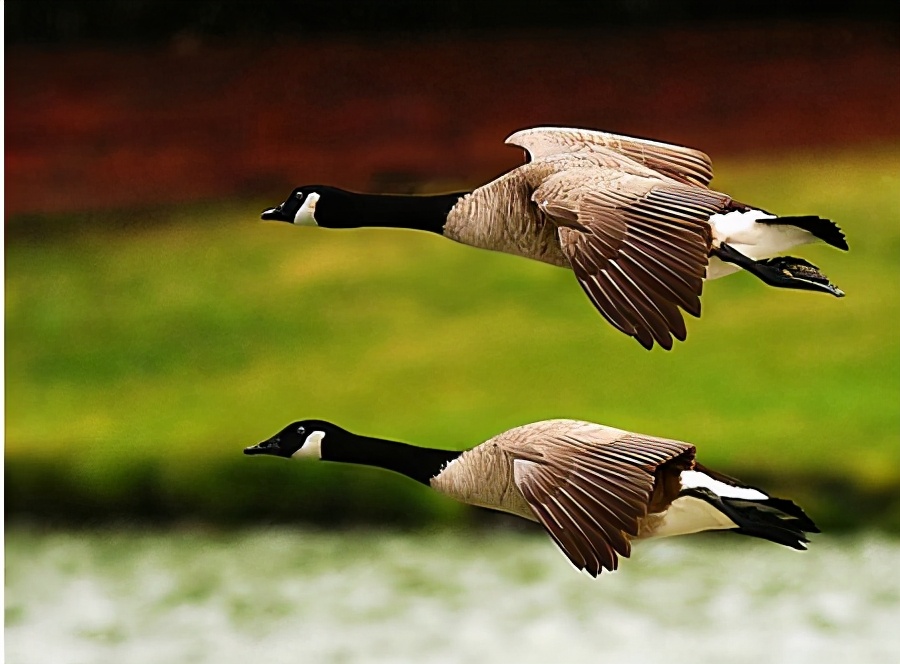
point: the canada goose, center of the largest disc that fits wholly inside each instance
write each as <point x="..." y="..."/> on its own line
<point x="632" y="218"/>
<point x="593" y="488"/>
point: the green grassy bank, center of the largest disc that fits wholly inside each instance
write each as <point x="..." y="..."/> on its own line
<point x="145" y="349"/>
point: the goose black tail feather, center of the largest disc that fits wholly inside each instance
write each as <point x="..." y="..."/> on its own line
<point x="824" y="229"/>
<point x="775" y="519"/>
<point x="786" y="506"/>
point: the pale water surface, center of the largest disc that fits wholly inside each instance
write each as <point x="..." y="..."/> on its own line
<point x="302" y="597"/>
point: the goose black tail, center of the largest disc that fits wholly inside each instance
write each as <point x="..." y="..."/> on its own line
<point x="774" y="519"/>
<point x="824" y="229"/>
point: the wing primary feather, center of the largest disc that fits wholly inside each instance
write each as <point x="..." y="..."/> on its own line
<point x="634" y="502"/>
<point x="646" y="319"/>
<point x="662" y="298"/>
<point x="560" y="535"/>
<point x="682" y="279"/>
<point x="617" y="521"/>
<point x="686" y="218"/>
<point x="603" y="304"/>
<point x="601" y="300"/>
<point x="649" y="308"/>
<point x="685" y="239"/>
<point x="689" y="249"/>
<point x="587" y="551"/>
<point x="604" y="545"/>
<point x="677" y="250"/>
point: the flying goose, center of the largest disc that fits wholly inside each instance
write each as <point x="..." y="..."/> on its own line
<point x="593" y="488"/>
<point x="633" y="218"/>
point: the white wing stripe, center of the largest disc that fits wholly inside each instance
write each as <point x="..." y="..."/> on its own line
<point x="694" y="479"/>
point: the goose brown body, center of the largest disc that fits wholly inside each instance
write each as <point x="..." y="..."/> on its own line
<point x="630" y="217"/>
<point x="595" y="489"/>
<point x="591" y="486"/>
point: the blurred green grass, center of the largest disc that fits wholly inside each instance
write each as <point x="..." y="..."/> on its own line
<point x="145" y="349"/>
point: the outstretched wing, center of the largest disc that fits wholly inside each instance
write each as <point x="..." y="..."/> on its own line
<point x="675" y="161"/>
<point x="591" y="497"/>
<point x="639" y="248"/>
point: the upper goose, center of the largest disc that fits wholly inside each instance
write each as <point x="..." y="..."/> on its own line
<point x="593" y="488"/>
<point x="632" y="218"/>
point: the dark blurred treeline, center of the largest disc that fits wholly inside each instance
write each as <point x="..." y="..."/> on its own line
<point x="145" y="21"/>
<point x="233" y="492"/>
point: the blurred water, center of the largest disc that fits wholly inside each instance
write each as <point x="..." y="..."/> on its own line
<point x="306" y="597"/>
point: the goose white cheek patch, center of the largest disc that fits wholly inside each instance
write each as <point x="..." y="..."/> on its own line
<point x="311" y="448"/>
<point x="306" y="215"/>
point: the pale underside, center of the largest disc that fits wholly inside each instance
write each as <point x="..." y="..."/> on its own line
<point x="593" y="488"/>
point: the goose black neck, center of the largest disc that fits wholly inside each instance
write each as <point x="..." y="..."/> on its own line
<point x="337" y="208"/>
<point x="418" y="463"/>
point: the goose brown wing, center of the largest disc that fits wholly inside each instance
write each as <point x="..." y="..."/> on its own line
<point x="640" y="251"/>
<point x="675" y="161"/>
<point x="590" y="498"/>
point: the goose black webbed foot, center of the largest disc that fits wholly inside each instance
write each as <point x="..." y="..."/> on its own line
<point x="781" y="271"/>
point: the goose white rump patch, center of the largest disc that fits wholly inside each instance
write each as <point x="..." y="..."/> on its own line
<point x="738" y="227"/>
<point x="692" y="479"/>
<point x="744" y="232"/>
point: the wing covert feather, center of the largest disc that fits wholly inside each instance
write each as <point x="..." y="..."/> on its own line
<point x="680" y="163"/>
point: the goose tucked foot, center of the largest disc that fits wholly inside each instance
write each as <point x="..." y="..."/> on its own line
<point x="781" y="271"/>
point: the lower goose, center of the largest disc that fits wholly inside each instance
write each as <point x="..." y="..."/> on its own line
<point x="592" y="487"/>
<point x="634" y="220"/>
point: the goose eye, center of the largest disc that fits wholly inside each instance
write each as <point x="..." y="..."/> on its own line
<point x="301" y="430"/>
<point x="299" y="195"/>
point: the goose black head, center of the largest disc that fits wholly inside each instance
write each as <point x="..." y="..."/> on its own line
<point x="299" y="208"/>
<point x="301" y="439"/>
